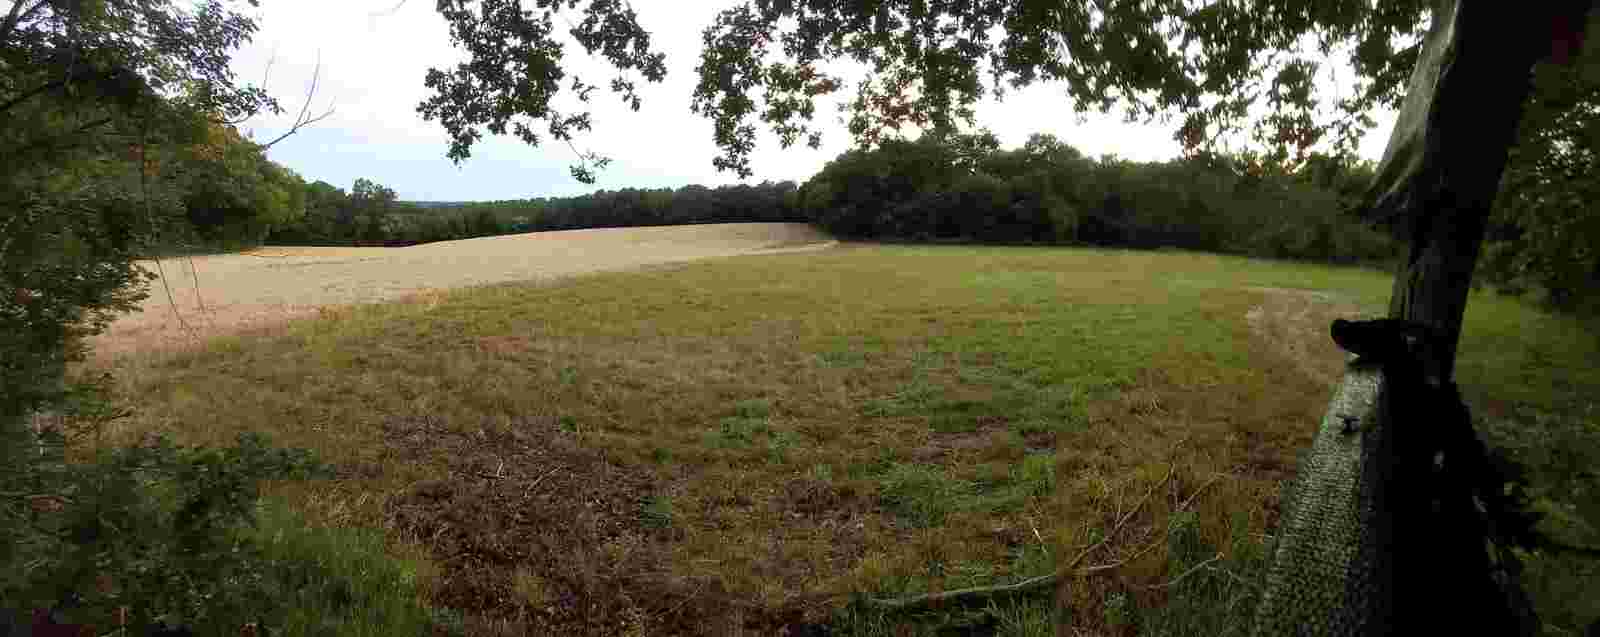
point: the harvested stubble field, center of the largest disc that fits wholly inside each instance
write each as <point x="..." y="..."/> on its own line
<point x="230" y="293"/>
<point x="746" y="445"/>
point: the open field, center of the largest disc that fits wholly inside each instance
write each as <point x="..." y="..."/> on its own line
<point x="741" y="445"/>
<point x="228" y="293"/>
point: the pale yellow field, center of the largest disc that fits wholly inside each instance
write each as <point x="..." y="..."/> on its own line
<point x="221" y="294"/>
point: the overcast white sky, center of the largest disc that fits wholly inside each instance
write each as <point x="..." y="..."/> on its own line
<point x="374" y="56"/>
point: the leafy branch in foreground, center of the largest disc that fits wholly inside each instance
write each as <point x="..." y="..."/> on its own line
<point x="514" y="71"/>
<point x="1220" y="66"/>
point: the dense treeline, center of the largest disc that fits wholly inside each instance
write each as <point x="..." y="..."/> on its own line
<point x="965" y="187"/>
<point x="957" y="188"/>
<point x="369" y="214"/>
<point x="220" y="191"/>
<point x="212" y="188"/>
<point x="767" y="201"/>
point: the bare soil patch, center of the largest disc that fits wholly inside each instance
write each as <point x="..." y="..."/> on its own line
<point x="205" y="296"/>
<point x="531" y="527"/>
<point x="1295" y="323"/>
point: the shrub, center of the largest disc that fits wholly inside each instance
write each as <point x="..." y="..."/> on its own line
<point x="150" y="533"/>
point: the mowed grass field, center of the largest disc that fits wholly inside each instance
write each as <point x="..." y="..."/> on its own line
<point x="756" y="444"/>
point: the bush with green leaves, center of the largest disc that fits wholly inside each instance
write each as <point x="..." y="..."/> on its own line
<point x="159" y="529"/>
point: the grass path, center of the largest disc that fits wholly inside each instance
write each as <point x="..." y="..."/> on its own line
<point x="743" y="444"/>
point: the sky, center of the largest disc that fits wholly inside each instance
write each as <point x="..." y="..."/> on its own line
<point x="374" y="54"/>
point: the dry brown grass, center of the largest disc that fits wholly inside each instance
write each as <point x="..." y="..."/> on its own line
<point x="740" y="445"/>
<point x="207" y="296"/>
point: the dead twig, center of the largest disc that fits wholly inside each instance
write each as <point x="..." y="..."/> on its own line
<point x="304" y="118"/>
<point x="1031" y="525"/>
<point x="1147" y="548"/>
<point x="1232" y="575"/>
<point x="1185" y="574"/>
<point x="535" y="483"/>
<point x="1028" y="585"/>
<point x="1197" y="492"/>
<point x="194" y="274"/>
<point x="144" y="195"/>
<point x="1142" y="500"/>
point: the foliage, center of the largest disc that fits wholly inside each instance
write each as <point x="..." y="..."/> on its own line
<point x="1220" y="65"/>
<point x="514" y="70"/>
<point x="1220" y="68"/>
<point x="232" y="194"/>
<point x="89" y="91"/>
<point x="154" y="528"/>
<point x="1544" y="225"/>
<point x="155" y="536"/>
<point x="66" y="272"/>
<point x="959" y="187"/>
<point x="113" y="127"/>
<point x="370" y="206"/>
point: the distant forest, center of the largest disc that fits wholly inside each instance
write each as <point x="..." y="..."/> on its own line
<point x="938" y="188"/>
<point x="949" y="189"/>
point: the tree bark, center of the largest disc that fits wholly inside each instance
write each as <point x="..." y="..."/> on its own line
<point x="1436" y="185"/>
<point x="1442" y="168"/>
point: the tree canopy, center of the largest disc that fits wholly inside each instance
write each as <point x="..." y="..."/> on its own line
<point x="1211" y="70"/>
<point x="1219" y="66"/>
<point x="95" y="96"/>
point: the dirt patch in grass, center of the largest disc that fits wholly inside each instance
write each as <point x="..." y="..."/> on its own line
<point x="531" y="528"/>
<point x="954" y="446"/>
<point x="1295" y="324"/>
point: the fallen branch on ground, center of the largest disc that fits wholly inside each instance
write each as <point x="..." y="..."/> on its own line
<point x="964" y="595"/>
<point x="1242" y="581"/>
<point x="1187" y="573"/>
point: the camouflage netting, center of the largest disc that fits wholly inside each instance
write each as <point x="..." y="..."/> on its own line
<point x="1330" y="572"/>
<point x="1324" y="577"/>
<point x="1361" y="503"/>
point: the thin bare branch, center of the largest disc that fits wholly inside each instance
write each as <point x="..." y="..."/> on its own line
<point x="194" y="274"/>
<point x="391" y="11"/>
<point x="10" y="21"/>
<point x="150" y="217"/>
<point x="1235" y="577"/>
<point x="1200" y="490"/>
<point x="266" y="77"/>
<point x="304" y="118"/>
<point x="30" y="94"/>
<point x="1187" y="573"/>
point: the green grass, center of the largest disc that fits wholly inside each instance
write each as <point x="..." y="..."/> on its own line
<point x="782" y="433"/>
<point x="657" y="512"/>
<point x="920" y="495"/>
<point x="338" y="581"/>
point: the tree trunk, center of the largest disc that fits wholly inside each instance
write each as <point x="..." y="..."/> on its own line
<point x="1442" y="168"/>
<point x="1437" y="184"/>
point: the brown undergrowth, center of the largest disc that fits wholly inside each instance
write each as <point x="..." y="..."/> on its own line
<point x="530" y="528"/>
<point x="745" y="446"/>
